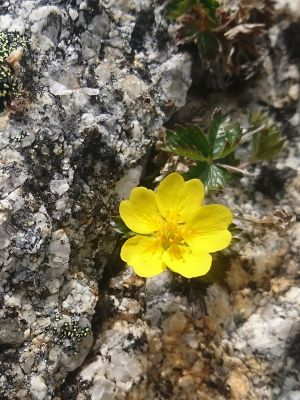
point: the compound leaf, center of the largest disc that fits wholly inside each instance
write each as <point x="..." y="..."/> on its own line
<point x="188" y="141"/>
<point x="213" y="176"/>
<point x="268" y="142"/>
<point x="223" y="135"/>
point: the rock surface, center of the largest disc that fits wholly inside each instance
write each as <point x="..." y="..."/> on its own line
<point x="99" y="78"/>
<point x="97" y="83"/>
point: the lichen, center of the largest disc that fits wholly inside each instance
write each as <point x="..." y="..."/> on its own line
<point x="9" y="42"/>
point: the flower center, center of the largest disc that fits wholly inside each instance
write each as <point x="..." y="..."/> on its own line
<point x="170" y="232"/>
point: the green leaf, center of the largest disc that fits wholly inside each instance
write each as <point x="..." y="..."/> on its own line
<point x="119" y="227"/>
<point x="176" y="8"/>
<point x="223" y="135"/>
<point x="213" y="176"/>
<point x="211" y="6"/>
<point x="188" y="141"/>
<point x="267" y="143"/>
<point x="234" y="230"/>
<point x="207" y="44"/>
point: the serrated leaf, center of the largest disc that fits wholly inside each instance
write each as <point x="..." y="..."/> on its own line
<point x="213" y="176"/>
<point x="119" y="226"/>
<point x="223" y="135"/>
<point x="267" y="143"/>
<point x="188" y="141"/>
<point x="266" y="146"/>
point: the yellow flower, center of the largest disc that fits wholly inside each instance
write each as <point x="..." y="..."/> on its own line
<point x="174" y="229"/>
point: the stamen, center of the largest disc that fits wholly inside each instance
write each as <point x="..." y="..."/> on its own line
<point x="170" y="231"/>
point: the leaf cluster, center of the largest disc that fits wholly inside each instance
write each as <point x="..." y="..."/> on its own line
<point x="213" y="153"/>
<point x="198" y="18"/>
<point x="190" y="141"/>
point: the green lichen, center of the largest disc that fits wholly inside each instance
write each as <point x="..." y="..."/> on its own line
<point x="68" y="335"/>
<point x="7" y="81"/>
<point x="73" y="331"/>
<point x="9" y="41"/>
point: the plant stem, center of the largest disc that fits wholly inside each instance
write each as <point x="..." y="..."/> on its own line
<point x="248" y="135"/>
<point x="230" y="168"/>
<point x="253" y="221"/>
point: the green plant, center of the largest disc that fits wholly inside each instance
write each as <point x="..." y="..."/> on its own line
<point x="177" y="8"/>
<point x="198" y="19"/>
<point x="267" y="141"/>
<point x="213" y="154"/>
<point x="230" y="36"/>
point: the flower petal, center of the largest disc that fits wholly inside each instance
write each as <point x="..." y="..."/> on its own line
<point x="208" y="228"/>
<point x="144" y="254"/>
<point x="186" y="261"/>
<point x="174" y="196"/>
<point x="140" y="212"/>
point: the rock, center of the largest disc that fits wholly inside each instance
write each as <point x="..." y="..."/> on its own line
<point x="239" y="385"/>
<point x="294" y="92"/>
<point x="59" y="251"/>
<point x="231" y="337"/>
<point x="292" y="7"/>
<point x="38" y="388"/>
<point x="11" y="332"/>
<point x="96" y="86"/>
<point x="98" y="80"/>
